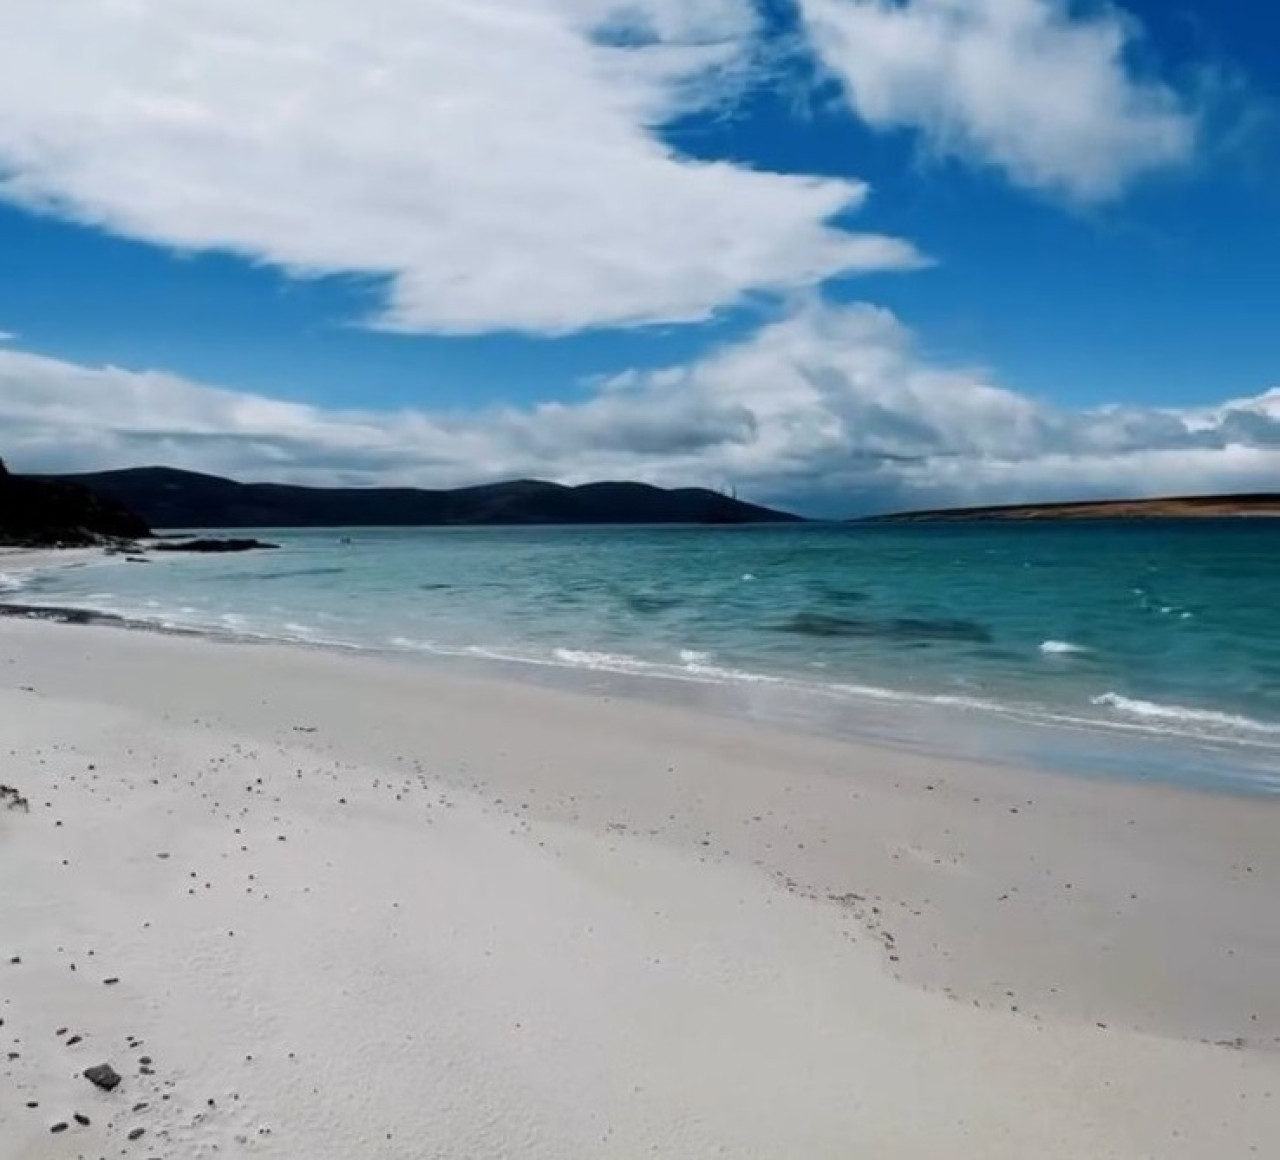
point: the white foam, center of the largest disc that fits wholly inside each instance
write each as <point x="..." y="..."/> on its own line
<point x="694" y="667"/>
<point x="719" y="673"/>
<point x="608" y="662"/>
<point x="1061" y="648"/>
<point x="409" y="643"/>
<point x="1182" y="714"/>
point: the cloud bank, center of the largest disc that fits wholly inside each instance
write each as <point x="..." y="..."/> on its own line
<point x="832" y="409"/>
<point x="1031" y="87"/>
<point x="487" y="164"/>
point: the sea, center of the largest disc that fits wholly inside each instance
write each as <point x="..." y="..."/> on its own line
<point x="1126" y="649"/>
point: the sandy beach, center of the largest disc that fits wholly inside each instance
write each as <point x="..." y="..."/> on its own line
<point x="311" y="905"/>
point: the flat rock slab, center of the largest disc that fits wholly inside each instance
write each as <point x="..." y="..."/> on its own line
<point x="103" y="1076"/>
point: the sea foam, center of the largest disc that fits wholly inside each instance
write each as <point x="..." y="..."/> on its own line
<point x="1182" y="714"/>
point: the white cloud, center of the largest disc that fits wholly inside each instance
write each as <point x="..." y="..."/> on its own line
<point x="7" y="336"/>
<point x="1032" y="87"/>
<point x="832" y="409"/>
<point x="495" y="161"/>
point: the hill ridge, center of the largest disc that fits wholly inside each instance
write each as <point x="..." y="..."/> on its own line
<point x="169" y="497"/>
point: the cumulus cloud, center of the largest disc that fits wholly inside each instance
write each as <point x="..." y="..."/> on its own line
<point x="486" y="164"/>
<point x="1033" y="87"/>
<point x="832" y="409"/>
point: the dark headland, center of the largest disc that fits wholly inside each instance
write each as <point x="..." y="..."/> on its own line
<point x="168" y="498"/>
<point x="1170" y="508"/>
<point x="39" y="513"/>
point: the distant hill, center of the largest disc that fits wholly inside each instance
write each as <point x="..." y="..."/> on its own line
<point x="48" y="513"/>
<point x="168" y="498"/>
<point x="1178" y="507"/>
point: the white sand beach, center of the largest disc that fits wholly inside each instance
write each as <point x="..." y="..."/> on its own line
<point x="325" y="907"/>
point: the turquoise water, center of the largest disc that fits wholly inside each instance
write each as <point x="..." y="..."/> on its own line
<point x="1158" y="642"/>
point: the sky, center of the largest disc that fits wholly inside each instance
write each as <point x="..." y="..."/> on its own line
<point x="838" y="255"/>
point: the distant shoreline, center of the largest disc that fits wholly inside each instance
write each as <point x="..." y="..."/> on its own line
<point x="1254" y="506"/>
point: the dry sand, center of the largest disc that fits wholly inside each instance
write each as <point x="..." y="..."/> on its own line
<point x="351" y="910"/>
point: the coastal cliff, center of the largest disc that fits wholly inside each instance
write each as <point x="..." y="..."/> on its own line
<point x="40" y="513"/>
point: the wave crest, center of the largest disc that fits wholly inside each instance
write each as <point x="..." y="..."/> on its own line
<point x="1182" y="714"/>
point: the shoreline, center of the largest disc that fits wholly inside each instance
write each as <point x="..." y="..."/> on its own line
<point x="456" y="857"/>
<point x="982" y="730"/>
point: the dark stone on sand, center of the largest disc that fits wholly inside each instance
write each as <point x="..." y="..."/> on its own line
<point x="61" y="1126"/>
<point x="81" y="1119"/>
<point x="210" y="546"/>
<point x="103" y="1076"/>
<point x="137" y="1133"/>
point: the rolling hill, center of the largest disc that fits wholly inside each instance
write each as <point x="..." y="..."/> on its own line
<point x="169" y="498"/>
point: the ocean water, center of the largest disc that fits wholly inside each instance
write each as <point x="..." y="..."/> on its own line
<point x="1140" y="649"/>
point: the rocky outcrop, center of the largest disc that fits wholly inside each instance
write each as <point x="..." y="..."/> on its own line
<point x="41" y="513"/>
<point x="209" y="546"/>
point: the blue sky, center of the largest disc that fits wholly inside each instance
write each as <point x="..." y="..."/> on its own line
<point x="841" y="254"/>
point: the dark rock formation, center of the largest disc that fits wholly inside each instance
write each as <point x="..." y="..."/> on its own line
<point x="186" y="499"/>
<point x="45" y="513"/>
<point x="212" y="545"/>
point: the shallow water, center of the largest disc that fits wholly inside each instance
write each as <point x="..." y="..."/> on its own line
<point x="1161" y="637"/>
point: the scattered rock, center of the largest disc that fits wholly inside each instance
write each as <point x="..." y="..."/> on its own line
<point x="11" y="799"/>
<point x="103" y="1076"/>
<point x="137" y="1133"/>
